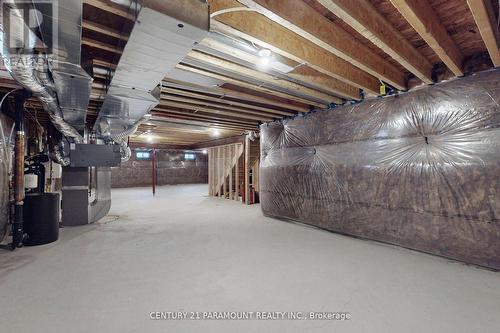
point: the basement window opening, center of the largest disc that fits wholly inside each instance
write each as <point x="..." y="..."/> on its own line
<point x="143" y="155"/>
<point x="189" y="157"/>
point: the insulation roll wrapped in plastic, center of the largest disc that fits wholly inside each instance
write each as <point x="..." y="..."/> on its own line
<point x="419" y="169"/>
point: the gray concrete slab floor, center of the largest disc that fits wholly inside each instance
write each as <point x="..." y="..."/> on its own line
<point x="182" y="251"/>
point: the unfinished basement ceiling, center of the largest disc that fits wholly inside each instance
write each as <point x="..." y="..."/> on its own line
<point x="323" y="52"/>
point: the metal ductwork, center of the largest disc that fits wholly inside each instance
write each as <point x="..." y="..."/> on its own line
<point x="72" y="83"/>
<point x="54" y="77"/>
<point x="100" y="201"/>
<point x="164" y="33"/>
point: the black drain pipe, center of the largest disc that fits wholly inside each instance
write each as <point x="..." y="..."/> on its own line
<point x="19" y="194"/>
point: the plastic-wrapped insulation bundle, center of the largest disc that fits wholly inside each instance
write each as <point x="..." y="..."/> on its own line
<point x="419" y="170"/>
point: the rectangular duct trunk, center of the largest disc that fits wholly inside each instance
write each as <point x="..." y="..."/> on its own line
<point x="72" y="84"/>
<point x="164" y="32"/>
<point x="419" y="170"/>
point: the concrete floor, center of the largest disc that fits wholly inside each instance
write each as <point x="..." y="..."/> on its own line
<point x="182" y="251"/>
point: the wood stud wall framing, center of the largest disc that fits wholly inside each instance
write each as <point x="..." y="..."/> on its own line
<point x="224" y="171"/>
<point x="233" y="170"/>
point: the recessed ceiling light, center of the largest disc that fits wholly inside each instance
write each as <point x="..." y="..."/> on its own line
<point x="265" y="53"/>
<point x="215" y="132"/>
<point x="264" y="62"/>
<point x="265" y="59"/>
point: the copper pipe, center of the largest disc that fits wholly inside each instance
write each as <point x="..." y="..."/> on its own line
<point x="19" y="194"/>
<point x="19" y="168"/>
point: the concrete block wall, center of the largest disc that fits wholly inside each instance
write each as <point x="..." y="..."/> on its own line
<point x="172" y="169"/>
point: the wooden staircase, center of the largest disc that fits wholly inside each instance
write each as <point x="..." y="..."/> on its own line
<point x="224" y="171"/>
<point x="233" y="170"/>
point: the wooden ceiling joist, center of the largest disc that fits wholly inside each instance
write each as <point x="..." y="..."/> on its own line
<point x="164" y="111"/>
<point x="228" y="93"/>
<point x="168" y="115"/>
<point x="101" y="46"/>
<point x="363" y="17"/>
<point x="203" y="123"/>
<point x="106" y="47"/>
<point x="189" y="133"/>
<point x="262" y="31"/>
<point x="262" y="77"/>
<point x="104" y="64"/>
<point x="302" y="73"/>
<point x="200" y="102"/>
<point x="110" y="7"/>
<point x="482" y="12"/>
<point x="230" y="110"/>
<point x="220" y="119"/>
<point x="424" y="20"/>
<point x="320" y="57"/>
<point x="194" y="107"/>
<point x="102" y="29"/>
<point x="179" y="92"/>
<point x="248" y="85"/>
<point x="207" y="122"/>
<point x="300" y="18"/>
<point x="220" y="142"/>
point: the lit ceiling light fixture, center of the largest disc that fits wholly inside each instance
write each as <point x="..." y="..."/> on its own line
<point x="150" y="138"/>
<point x="265" y="59"/>
<point x="264" y="63"/>
<point x="215" y="132"/>
<point x="205" y="151"/>
<point x="265" y="53"/>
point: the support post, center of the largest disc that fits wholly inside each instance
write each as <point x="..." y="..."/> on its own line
<point x="216" y="171"/>
<point x="153" y="168"/>
<point x="210" y="181"/>
<point x="226" y="167"/>
<point x="237" y="172"/>
<point x="219" y="170"/>
<point x="247" y="170"/>
<point x="212" y="172"/>
<point x="231" y="160"/>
